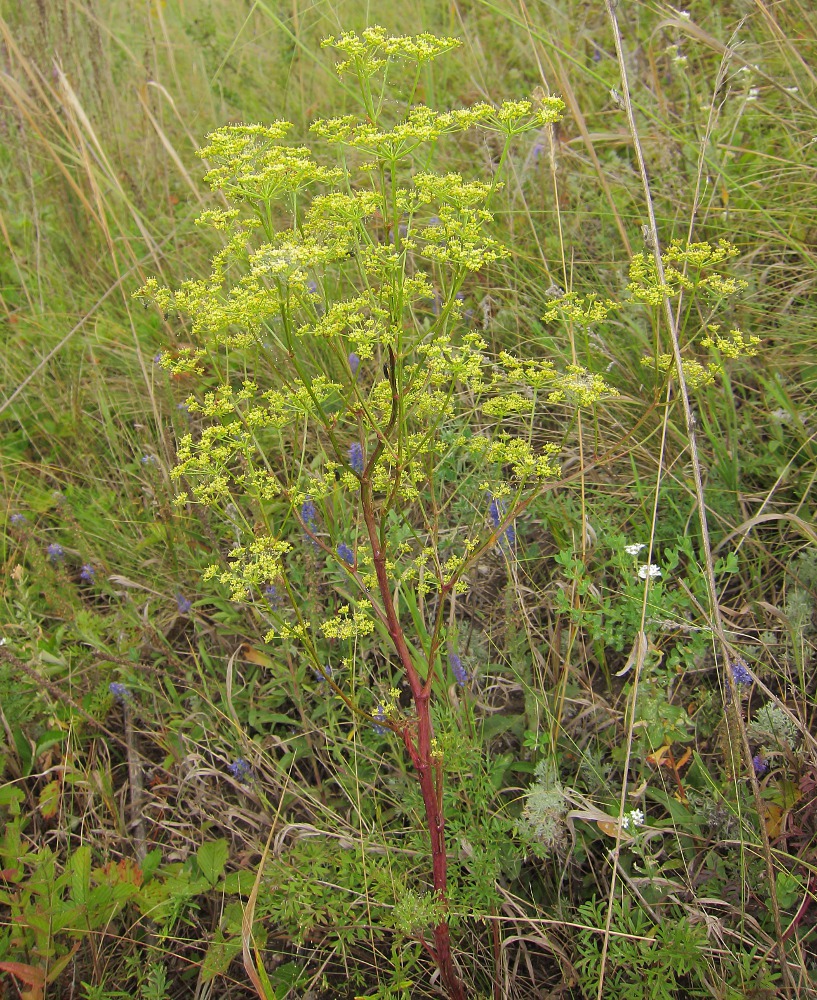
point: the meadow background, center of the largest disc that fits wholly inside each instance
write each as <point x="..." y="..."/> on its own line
<point x="134" y="818"/>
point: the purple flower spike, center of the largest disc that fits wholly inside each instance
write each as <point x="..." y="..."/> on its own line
<point x="324" y="673"/>
<point x="740" y="674"/>
<point x="309" y="514"/>
<point x="356" y="457"/>
<point x="120" y="693"/>
<point x="354" y="363"/>
<point x="458" y="670"/>
<point x="184" y="604"/>
<point x="240" y="769"/>
<point x="496" y="512"/>
<point x="760" y="764"/>
<point x="18" y="519"/>
<point x="346" y="553"/>
<point x="87" y="574"/>
<point x="56" y="553"/>
<point x="380" y="715"/>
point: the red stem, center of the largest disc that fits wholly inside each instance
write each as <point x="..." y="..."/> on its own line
<point x="420" y="750"/>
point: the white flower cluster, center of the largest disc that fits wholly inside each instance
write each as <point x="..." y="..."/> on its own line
<point x="649" y="570"/>
<point x="635" y="817"/>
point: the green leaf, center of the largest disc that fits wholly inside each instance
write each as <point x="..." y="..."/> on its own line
<point x="80" y="866"/>
<point x="49" y="799"/>
<point x="219" y="955"/>
<point x="240" y="882"/>
<point x="211" y="858"/>
<point x="11" y="795"/>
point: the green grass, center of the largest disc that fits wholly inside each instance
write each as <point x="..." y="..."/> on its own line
<point x="128" y="851"/>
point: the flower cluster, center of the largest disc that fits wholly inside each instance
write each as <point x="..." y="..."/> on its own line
<point x="386" y="711"/>
<point x="687" y="267"/>
<point x="496" y="514"/>
<point x="649" y="571"/>
<point x="370" y="51"/>
<point x="457" y="669"/>
<point x="356" y="457"/>
<point x="635" y="817"/>
<point x="184" y="604"/>
<point x="240" y="769"/>
<point x="120" y="692"/>
<point x="346" y="554"/>
<point x="348" y="624"/>
<point x="740" y="673"/>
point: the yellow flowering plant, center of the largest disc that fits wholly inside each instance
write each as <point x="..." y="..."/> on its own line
<point x="333" y="314"/>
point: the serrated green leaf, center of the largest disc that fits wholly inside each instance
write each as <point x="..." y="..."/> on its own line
<point x="80" y="866"/>
<point x="211" y="858"/>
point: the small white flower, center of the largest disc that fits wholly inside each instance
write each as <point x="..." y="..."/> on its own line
<point x="792" y="90"/>
<point x="635" y="817"/>
<point x="634" y="549"/>
<point x="754" y="93"/>
<point x="649" y="570"/>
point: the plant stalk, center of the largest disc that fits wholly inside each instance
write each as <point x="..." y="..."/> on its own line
<point x="419" y="750"/>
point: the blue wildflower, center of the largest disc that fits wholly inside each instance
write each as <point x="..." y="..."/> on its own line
<point x="240" y="769"/>
<point x="119" y="692"/>
<point x="157" y="358"/>
<point x="324" y="673"/>
<point x="458" y="670"/>
<point x="346" y="553"/>
<point x="312" y="287"/>
<point x="149" y="460"/>
<point x="740" y="674"/>
<point x="356" y="457"/>
<point x="18" y="519"/>
<point x="309" y="515"/>
<point x="56" y="553"/>
<point x="760" y="764"/>
<point x="537" y="151"/>
<point x="354" y="363"/>
<point x="272" y="596"/>
<point x="87" y="573"/>
<point x="184" y="604"/>
<point x="380" y="716"/>
<point x="496" y="512"/>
